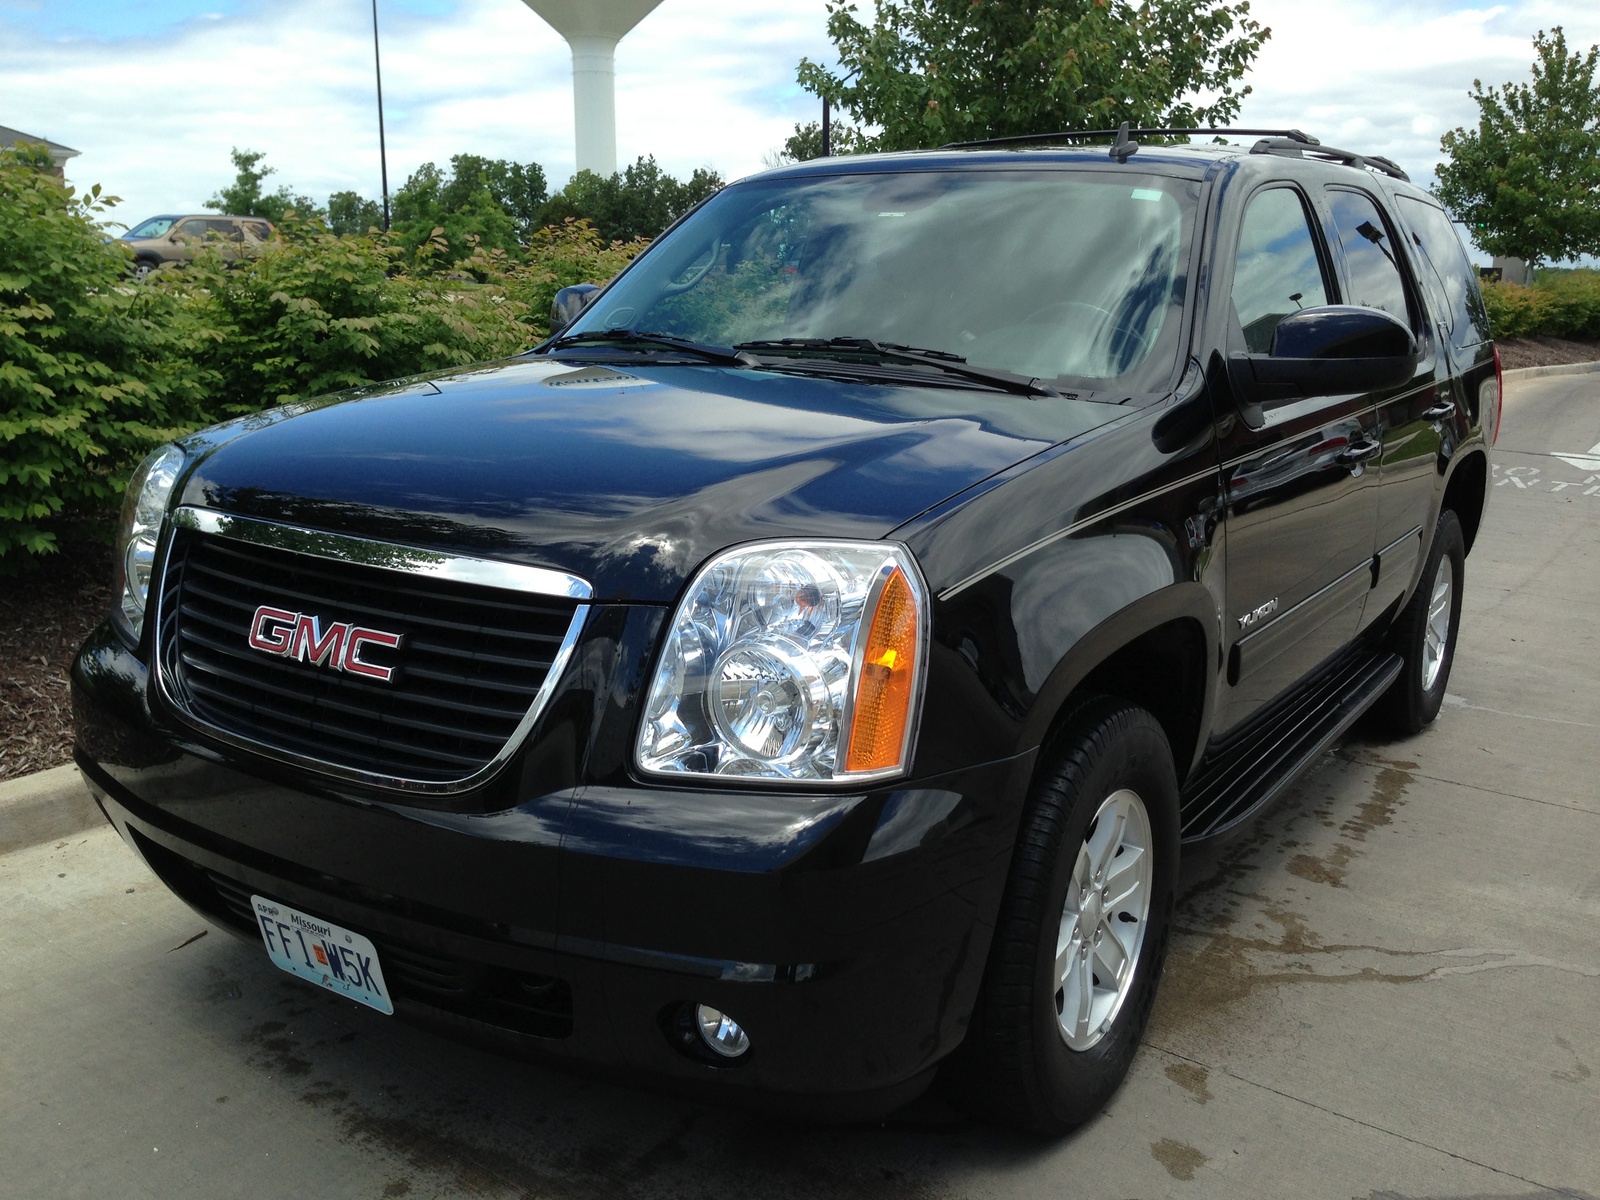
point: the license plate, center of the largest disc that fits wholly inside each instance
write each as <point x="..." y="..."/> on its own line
<point x="327" y="954"/>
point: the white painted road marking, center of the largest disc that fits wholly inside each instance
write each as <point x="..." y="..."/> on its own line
<point x="1584" y="462"/>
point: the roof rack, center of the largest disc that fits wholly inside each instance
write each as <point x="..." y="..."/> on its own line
<point x="1291" y="148"/>
<point x="1293" y="135"/>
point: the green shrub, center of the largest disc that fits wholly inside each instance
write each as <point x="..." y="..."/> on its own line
<point x="93" y="372"/>
<point x="319" y="312"/>
<point x="1560" y="304"/>
<point x="557" y="257"/>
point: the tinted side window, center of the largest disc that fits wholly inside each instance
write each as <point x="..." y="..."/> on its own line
<point x="1277" y="271"/>
<point x="1369" y="254"/>
<point x="1435" y="236"/>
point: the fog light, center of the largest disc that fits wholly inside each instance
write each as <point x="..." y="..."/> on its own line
<point x="720" y="1032"/>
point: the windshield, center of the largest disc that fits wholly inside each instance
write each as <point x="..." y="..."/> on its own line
<point x="1071" y="277"/>
<point x="154" y="227"/>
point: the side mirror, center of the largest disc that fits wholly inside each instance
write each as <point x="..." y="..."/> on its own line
<point x="1329" y="351"/>
<point x="570" y="302"/>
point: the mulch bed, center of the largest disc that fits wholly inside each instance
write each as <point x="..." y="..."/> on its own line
<point x="44" y="617"/>
<point x="1545" y="352"/>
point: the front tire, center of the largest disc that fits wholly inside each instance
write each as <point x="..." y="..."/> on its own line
<point x="1424" y="635"/>
<point x="1082" y="932"/>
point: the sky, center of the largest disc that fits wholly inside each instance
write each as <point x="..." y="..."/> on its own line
<point x="156" y="93"/>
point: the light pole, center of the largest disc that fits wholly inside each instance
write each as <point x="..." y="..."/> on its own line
<point x="383" y="151"/>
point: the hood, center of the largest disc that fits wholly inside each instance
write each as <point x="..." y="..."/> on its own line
<point x="627" y="478"/>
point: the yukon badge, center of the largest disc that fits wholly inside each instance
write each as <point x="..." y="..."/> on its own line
<point x="300" y="636"/>
<point x="1256" y="615"/>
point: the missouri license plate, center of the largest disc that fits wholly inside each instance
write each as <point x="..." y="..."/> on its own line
<point x="329" y="955"/>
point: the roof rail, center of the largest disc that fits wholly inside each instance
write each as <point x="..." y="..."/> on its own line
<point x="1292" y="135"/>
<point x="1290" y="148"/>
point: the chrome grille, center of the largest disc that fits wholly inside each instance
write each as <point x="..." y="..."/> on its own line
<point x="473" y="668"/>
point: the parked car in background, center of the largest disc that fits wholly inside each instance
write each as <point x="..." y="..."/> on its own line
<point x="178" y="238"/>
<point x="802" y="674"/>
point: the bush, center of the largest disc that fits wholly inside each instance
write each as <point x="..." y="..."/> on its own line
<point x="317" y="313"/>
<point x="96" y="370"/>
<point x="1560" y="304"/>
<point x="93" y="372"/>
<point x="557" y="257"/>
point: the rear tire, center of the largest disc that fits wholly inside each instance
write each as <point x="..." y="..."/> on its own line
<point x="1082" y="931"/>
<point x="1424" y="635"/>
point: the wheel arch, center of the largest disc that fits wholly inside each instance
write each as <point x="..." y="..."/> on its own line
<point x="1157" y="653"/>
<point x="1465" y="492"/>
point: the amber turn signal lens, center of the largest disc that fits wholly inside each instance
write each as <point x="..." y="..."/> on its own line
<point x="888" y="674"/>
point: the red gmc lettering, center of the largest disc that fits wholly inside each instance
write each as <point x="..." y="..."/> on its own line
<point x="301" y="636"/>
<point x="270" y="630"/>
<point x="310" y="644"/>
<point x="352" y="653"/>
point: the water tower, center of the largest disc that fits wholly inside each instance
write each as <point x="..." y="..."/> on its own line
<point x="593" y="28"/>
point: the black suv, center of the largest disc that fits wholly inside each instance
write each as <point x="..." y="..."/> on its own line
<point x="801" y="674"/>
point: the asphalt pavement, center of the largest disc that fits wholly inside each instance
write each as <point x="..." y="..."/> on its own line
<point x="1388" y="989"/>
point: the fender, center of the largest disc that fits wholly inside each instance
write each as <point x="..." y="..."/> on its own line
<point x="1183" y="602"/>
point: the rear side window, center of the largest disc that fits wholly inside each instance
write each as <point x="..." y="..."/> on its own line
<point x="1461" y="303"/>
<point x="1277" y="271"/>
<point x="1369" y="254"/>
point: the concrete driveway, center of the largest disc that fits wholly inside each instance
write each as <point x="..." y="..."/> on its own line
<point x="1389" y="987"/>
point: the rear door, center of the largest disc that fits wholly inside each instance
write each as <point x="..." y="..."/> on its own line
<point x="1414" y="418"/>
<point x="1301" y="503"/>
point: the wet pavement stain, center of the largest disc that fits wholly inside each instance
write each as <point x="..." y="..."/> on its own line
<point x="1191" y="1077"/>
<point x="1388" y="794"/>
<point x="1328" y="870"/>
<point x="1579" y="1072"/>
<point x="274" y="1044"/>
<point x="1179" y="1158"/>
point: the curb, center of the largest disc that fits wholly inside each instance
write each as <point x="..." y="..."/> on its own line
<point x="1559" y="369"/>
<point x="45" y="805"/>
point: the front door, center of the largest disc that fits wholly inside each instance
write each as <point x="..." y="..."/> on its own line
<point x="1301" y="488"/>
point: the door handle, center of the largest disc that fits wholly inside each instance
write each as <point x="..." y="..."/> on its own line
<point x="1359" y="452"/>
<point x="1445" y="408"/>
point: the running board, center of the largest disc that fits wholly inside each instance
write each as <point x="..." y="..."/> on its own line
<point x="1231" y="787"/>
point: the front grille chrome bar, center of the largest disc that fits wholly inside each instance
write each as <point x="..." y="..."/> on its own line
<point x="405" y="561"/>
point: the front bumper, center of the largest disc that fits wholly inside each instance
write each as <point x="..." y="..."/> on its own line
<point x="847" y="933"/>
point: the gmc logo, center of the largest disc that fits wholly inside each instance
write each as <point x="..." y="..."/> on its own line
<point x="300" y="636"/>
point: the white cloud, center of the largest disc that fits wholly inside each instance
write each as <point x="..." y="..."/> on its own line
<point x="700" y="83"/>
<point x="1387" y="78"/>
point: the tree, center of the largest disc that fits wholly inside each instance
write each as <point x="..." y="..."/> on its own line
<point x="480" y="203"/>
<point x="246" y="197"/>
<point x="351" y="213"/>
<point x="805" y="143"/>
<point x="1527" y="179"/>
<point x="518" y="188"/>
<point x="927" y="72"/>
<point x="639" y="202"/>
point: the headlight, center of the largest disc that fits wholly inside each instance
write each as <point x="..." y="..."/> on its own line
<point x="791" y="661"/>
<point x="142" y="511"/>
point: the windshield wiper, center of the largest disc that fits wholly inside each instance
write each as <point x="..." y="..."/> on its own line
<point x="637" y="338"/>
<point x="943" y="360"/>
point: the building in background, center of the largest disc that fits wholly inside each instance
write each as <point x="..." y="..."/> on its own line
<point x="58" y="153"/>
